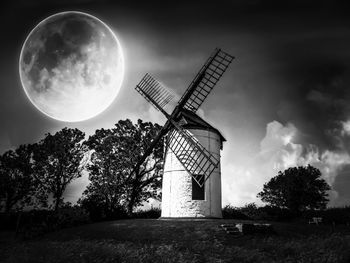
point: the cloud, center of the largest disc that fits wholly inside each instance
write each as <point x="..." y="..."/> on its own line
<point x="345" y="128"/>
<point x="331" y="164"/>
<point x="278" y="151"/>
<point x="277" y="136"/>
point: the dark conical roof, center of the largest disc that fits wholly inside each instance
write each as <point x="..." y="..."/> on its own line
<point x="192" y="121"/>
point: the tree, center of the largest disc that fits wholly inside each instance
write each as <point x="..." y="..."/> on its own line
<point x="113" y="181"/>
<point x="17" y="187"/>
<point x="297" y="188"/>
<point x="58" y="160"/>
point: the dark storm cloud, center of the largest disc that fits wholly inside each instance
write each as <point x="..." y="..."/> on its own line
<point x="318" y="97"/>
<point x="319" y="104"/>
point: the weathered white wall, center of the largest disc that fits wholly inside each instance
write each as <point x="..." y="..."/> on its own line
<point x="177" y="184"/>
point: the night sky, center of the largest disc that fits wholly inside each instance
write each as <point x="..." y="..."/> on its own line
<point x="284" y="101"/>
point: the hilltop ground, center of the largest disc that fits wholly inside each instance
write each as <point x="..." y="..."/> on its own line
<point x="150" y="240"/>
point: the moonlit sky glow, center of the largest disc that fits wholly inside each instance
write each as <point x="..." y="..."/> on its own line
<point x="284" y="100"/>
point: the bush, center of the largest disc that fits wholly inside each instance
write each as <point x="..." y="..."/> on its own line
<point x="69" y="216"/>
<point x="273" y="213"/>
<point x="231" y="212"/>
<point x="94" y="209"/>
<point x="153" y="212"/>
<point x="337" y="215"/>
<point x="252" y="212"/>
<point x="117" y="213"/>
<point x="33" y="223"/>
<point x="37" y="222"/>
<point x="98" y="212"/>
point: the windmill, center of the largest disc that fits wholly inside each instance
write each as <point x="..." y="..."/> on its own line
<point x="191" y="176"/>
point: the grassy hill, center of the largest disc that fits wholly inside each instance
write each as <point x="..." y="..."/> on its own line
<point x="149" y="240"/>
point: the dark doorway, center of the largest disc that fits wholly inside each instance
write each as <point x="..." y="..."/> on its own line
<point x="198" y="192"/>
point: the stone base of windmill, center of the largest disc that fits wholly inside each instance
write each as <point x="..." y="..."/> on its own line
<point x="247" y="228"/>
<point x="178" y="198"/>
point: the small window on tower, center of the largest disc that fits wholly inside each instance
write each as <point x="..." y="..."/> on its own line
<point x="198" y="192"/>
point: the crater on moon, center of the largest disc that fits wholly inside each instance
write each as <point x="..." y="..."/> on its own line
<point x="71" y="66"/>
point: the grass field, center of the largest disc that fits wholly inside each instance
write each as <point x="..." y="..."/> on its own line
<point x="143" y="240"/>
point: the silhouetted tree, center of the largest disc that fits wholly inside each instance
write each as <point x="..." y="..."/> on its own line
<point x="115" y="154"/>
<point x="297" y="188"/>
<point x="58" y="160"/>
<point x="17" y="186"/>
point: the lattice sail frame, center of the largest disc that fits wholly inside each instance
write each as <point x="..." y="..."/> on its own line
<point x="208" y="76"/>
<point x="150" y="86"/>
<point x="196" y="159"/>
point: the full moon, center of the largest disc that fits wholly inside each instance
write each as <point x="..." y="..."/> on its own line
<point x="71" y="66"/>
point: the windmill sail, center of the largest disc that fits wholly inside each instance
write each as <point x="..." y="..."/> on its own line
<point x="205" y="80"/>
<point x="197" y="160"/>
<point x="154" y="92"/>
<point x="158" y="96"/>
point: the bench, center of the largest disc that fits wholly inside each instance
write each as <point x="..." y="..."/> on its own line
<point x="315" y="220"/>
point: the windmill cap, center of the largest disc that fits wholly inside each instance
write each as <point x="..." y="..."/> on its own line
<point x="192" y="121"/>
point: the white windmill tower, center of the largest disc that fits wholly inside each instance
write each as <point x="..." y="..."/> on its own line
<point x="192" y="177"/>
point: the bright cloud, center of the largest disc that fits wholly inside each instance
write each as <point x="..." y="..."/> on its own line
<point x="346" y="128"/>
<point x="278" y="151"/>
